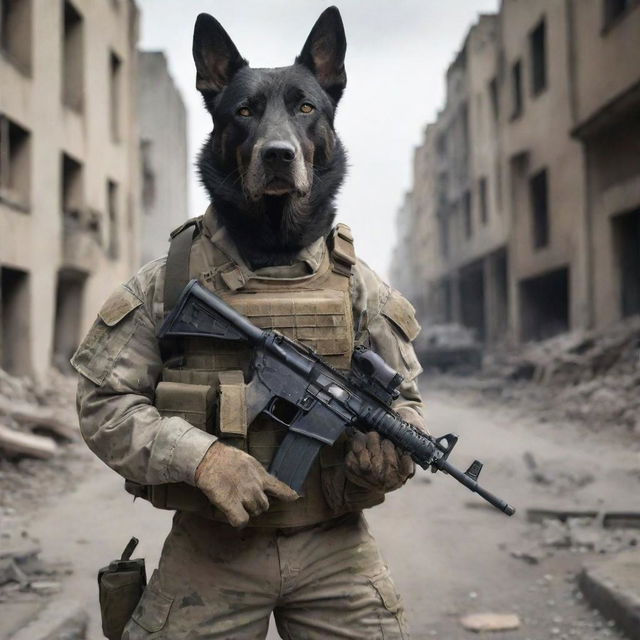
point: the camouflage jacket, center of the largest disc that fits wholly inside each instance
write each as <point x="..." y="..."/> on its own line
<point x="120" y="366"/>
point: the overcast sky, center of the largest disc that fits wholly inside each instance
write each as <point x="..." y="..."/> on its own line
<point x="397" y="54"/>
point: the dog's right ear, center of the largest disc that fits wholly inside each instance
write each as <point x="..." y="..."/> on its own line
<point x="217" y="58"/>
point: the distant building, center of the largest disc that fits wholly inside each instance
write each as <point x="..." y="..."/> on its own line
<point x="69" y="211"/>
<point x="532" y="197"/>
<point x="163" y="154"/>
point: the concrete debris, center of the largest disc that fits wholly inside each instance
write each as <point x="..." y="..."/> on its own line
<point x="14" y="443"/>
<point x="23" y="572"/>
<point x="65" y="620"/>
<point x="555" y="534"/>
<point x="613" y="587"/>
<point x="531" y="553"/>
<point x="590" y="377"/>
<point x="60" y="425"/>
<point x="11" y="572"/>
<point x="622" y="520"/>
<point x="38" y="434"/>
<point x="577" y="535"/>
<point x="45" y="587"/>
<point x="559" y="479"/>
<point x="490" y="622"/>
<point x="540" y="515"/>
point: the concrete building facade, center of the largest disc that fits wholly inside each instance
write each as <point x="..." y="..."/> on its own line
<point x="163" y="154"/>
<point x="69" y="210"/>
<point x="537" y="226"/>
<point x="604" y="54"/>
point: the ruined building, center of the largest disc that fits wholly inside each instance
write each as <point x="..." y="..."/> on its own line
<point x="525" y="204"/>
<point x="69" y="166"/>
<point x="163" y="154"/>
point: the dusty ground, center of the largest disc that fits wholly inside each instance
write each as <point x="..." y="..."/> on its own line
<point x="450" y="555"/>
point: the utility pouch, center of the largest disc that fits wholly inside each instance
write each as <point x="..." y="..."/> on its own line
<point x="192" y="402"/>
<point x="232" y="405"/>
<point x="120" y="587"/>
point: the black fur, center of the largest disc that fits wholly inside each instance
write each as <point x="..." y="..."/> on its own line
<point x="271" y="225"/>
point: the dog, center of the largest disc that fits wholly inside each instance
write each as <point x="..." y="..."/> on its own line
<point x="273" y="164"/>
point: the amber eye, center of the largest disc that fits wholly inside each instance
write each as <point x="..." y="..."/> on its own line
<point x="245" y="112"/>
<point x="306" y="107"/>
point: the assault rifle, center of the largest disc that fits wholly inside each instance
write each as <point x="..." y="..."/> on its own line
<point x="314" y="401"/>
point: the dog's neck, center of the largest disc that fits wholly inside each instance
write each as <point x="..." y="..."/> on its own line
<point x="268" y="232"/>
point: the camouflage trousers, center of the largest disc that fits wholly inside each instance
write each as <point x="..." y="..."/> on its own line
<point x="325" y="581"/>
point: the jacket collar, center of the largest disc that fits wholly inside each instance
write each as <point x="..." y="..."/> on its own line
<point x="306" y="262"/>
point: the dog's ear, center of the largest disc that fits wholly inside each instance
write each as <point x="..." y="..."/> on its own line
<point x="215" y="55"/>
<point x="323" y="52"/>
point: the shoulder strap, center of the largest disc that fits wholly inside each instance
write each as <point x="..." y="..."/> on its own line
<point x="176" y="275"/>
<point x="341" y="249"/>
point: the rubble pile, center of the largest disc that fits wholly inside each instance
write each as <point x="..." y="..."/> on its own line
<point x="24" y="576"/>
<point x="578" y="533"/>
<point x="590" y="377"/>
<point x="38" y="424"/>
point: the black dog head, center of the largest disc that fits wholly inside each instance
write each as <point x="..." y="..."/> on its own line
<point x="273" y="163"/>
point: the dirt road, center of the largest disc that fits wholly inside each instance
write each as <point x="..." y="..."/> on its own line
<point x="450" y="556"/>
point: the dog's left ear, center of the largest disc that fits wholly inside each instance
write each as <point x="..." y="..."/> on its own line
<point x="323" y="52"/>
<point x="217" y="58"/>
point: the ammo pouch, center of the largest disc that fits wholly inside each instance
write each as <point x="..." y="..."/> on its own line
<point x="207" y="407"/>
<point x="120" y="588"/>
<point x="215" y="402"/>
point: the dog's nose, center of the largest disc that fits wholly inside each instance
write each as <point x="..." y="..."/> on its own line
<point x="278" y="153"/>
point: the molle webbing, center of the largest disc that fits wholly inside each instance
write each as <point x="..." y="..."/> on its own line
<point x="314" y="309"/>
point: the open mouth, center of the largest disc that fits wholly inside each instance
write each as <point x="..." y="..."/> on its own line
<point x="278" y="187"/>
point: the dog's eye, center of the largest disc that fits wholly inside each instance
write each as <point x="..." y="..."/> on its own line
<point x="306" y="107"/>
<point x="245" y="112"/>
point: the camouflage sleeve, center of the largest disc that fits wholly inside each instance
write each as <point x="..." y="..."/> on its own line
<point x="120" y="364"/>
<point x="389" y="325"/>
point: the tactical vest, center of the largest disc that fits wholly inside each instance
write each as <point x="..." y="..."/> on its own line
<point x="203" y="379"/>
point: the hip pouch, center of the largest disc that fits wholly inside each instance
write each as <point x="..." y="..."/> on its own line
<point x="120" y="587"/>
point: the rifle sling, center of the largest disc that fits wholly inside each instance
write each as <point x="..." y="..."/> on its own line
<point x="177" y="270"/>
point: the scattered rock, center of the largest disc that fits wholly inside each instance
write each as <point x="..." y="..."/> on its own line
<point x="60" y="424"/>
<point x="555" y="534"/>
<point x="490" y="622"/>
<point x="26" y="444"/>
<point x="45" y="587"/>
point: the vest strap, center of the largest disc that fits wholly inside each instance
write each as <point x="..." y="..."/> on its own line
<point x="342" y="251"/>
<point x="177" y="270"/>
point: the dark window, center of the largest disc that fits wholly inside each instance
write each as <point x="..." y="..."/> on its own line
<point x="69" y="301"/>
<point x="443" y="228"/>
<point x="482" y="195"/>
<point x="464" y="120"/>
<point x="614" y="9"/>
<point x="441" y="145"/>
<point x="15" y="164"/>
<point x="15" y="32"/>
<point x="544" y="305"/>
<point x="113" y="249"/>
<point x="494" y="98"/>
<point x="148" y="176"/>
<point x="626" y="234"/>
<point x="72" y="59"/>
<point x="115" y="79"/>
<point x="467" y="217"/>
<point x="72" y="193"/>
<point x="540" y="209"/>
<point x="538" y="50"/>
<point x="516" y="89"/>
<point x="15" y="321"/>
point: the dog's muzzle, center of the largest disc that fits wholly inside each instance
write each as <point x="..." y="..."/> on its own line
<point x="277" y="168"/>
